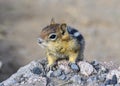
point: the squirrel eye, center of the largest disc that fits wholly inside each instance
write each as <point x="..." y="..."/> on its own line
<point x="52" y="36"/>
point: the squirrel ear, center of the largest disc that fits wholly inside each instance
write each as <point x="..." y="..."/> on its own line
<point x="63" y="28"/>
<point x="52" y="21"/>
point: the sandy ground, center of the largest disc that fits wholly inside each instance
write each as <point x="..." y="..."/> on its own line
<point x="22" y="20"/>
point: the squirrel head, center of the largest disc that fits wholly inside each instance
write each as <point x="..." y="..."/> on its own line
<point x="53" y="34"/>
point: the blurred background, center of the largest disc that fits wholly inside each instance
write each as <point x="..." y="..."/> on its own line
<point x="22" y="20"/>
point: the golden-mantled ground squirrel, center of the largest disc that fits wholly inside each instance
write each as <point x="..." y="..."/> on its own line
<point x="61" y="42"/>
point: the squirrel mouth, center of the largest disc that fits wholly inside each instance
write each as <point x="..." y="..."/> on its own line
<point x="41" y="43"/>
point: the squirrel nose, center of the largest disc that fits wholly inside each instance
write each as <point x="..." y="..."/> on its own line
<point x="40" y="40"/>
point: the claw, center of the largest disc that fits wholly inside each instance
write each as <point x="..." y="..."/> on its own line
<point x="50" y="67"/>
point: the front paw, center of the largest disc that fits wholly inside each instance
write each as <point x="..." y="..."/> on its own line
<point x="74" y="67"/>
<point x="50" y="67"/>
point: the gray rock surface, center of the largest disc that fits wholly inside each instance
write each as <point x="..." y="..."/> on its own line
<point x="90" y="74"/>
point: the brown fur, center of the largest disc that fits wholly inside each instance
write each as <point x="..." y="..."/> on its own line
<point x="64" y="46"/>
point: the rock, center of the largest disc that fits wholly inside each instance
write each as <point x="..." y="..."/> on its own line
<point x="50" y="74"/>
<point x="96" y="65"/>
<point x="38" y="81"/>
<point x="68" y="76"/>
<point x="57" y="73"/>
<point x="37" y="70"/>
<point x="112" y="73"/>
<point x="119" y="81"/>
<point x="63" y="65"/>
<point x="92" y="84"/>
<point x="74" y="67"/>
<point x="117" y="85"/>
<point x="99" y="67"/>
<point x="50" y="84"/>
<point x="85" y="68"/>
<point x="92" y="81"/>
<point x="62" y="77"/>
<point x="114" y="79"/>
<point x="23" y="74"/>
<point x="34" y="74"/>
<point x="109" y="82"/>
<point x="103" y="69"/>
<point x="76" y="79"/>
<point x="101" y="77"/>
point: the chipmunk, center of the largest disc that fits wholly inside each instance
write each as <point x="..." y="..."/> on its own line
<point x="61" y="41"/>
